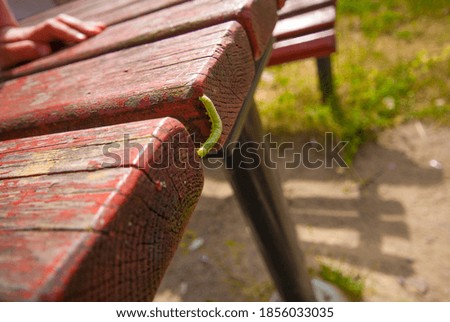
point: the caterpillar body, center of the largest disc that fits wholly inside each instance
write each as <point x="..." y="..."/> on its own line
<point x="216" y="128"/>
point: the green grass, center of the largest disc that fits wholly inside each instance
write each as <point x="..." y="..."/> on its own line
<point x="385" y="16"/>
<point x="392" y="66"/>
<point x="352" y="286"/>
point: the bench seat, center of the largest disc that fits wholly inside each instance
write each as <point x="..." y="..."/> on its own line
<point x="94" y="215"/>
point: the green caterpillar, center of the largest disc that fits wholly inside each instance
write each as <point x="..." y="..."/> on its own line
<point x="216" y="128"/>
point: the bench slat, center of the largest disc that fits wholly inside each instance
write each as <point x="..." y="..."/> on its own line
<point x="258" y="17"/>
<point x="153" y="80"/>
<point x="306" y="23"/>
<point x="92" y="232"/>
<point x="107" y="11"/>
<point x="320" y="44"/>
<point x="296" y="7"/>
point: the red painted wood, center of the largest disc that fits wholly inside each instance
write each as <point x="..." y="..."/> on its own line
<point x="306" y="23"/>
<point x="258" y="17"/>
<point x="281" y="3"/>
<point x="305" y="30"/>
<point x="320" y="44"/>
<point x="74" y="228"/>
<point x="149" y="81"/>
<point x="107" y="11"/>
<point x="296" y="7"/>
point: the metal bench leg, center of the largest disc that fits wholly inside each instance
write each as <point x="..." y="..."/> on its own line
<point x="259" y="192"/>
<point x="325" y="78"/>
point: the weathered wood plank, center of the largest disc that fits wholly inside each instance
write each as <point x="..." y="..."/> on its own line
<point x="83" y="230"/>
<point x="107" y="11"/>
<point x="296" y="7"/>
<point x="258" y="17"/>
<point x="320" y="44"/>
<point x="153" y="80"/>
<point x="306" y="23"/>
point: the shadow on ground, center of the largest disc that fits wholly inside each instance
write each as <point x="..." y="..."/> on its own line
<point x="385" y="219"/>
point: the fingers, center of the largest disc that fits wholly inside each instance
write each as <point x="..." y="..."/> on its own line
<point x="20" y="44"/>
<point x="53" y="29"/>
<point x="17" y="52"/>
<point x="87" y="28"/>
<point x="12" y="34"/>
<point x="65" y="28"/>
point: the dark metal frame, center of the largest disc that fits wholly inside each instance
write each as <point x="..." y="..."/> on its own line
<point x="258" y="189"/>
<point x="325" y="78"/>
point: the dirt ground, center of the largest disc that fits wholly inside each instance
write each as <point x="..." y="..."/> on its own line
<point x="385" y="220"/>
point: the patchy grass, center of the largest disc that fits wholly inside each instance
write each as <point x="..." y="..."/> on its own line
<point x="392" y="66"/>
<point x="245" y="283"/>
<point x="352" y="286"/>
<point x="252" y="290"/>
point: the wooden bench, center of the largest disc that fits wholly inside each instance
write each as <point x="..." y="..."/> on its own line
<point x="306" y="29"/>
<point x="83" y="211"/>
<point x="62" y="110"/>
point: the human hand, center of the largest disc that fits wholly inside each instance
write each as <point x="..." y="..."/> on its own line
<point x="19" y="44"/>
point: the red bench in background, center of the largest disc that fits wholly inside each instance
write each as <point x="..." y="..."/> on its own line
<point x="306" y="29"/>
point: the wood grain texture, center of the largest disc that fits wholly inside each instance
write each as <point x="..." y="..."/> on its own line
<point x="258" y="17"/>
<point x="106" y="11"/>
<point x="296" y="7"/>
<point x="75" y="227"/>
<point x="319" y="44"/>
<point x="307" y="23"/>
<point x="149" y="81"/>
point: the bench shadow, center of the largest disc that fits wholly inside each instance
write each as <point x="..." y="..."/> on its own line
<point x="367" y="213"/>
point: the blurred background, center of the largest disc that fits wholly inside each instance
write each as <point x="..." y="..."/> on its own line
<point x="391" y="67"/>
<point x="378" y="230"/>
